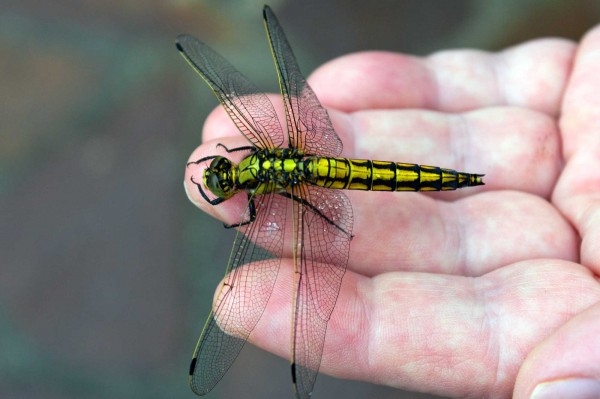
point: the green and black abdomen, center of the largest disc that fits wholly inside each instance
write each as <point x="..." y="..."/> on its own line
<point x="362" y="174"/>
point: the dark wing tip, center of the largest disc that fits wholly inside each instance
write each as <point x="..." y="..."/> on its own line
<point x="267" y="10"/>
<point x="294" y="373"/>
<point x="193" y="365"/>
<point x="180" y="39"/>
<point x="268" y="13"/>
<point x="185" y="40"/>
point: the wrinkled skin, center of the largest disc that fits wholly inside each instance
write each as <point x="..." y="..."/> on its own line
<point x="482" y="292"/>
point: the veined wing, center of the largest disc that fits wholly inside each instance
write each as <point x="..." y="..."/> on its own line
<point x="244" y="292"/>
<point x="308" y="124"/>
<point x="249" y="109"/>
<point x="323" y="234"/>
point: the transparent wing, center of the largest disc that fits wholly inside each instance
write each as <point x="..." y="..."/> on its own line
<point x="308" y="124"/>
<point x="250" y="110"/>
<point x="244" y="292"/>
<point x="323" y="231"/>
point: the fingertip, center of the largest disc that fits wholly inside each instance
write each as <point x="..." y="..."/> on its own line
<point x="373" y="80"/>
<point x="218" y="125"/>
<point x="592" y="36"/>
<point x="566" y="360"/>
<point x="230" y="211"/>
<point x="576" y="388"/>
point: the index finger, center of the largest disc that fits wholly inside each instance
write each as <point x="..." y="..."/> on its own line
<point x="577" y="193"/>
<point x="531" y="75"/>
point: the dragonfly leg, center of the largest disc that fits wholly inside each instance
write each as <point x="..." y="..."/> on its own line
<point x="251" y="208"/>
<point x="314" y="209"/>
<point x="245" y="148"/>
<point x="215" y="201"/>
<point x="201" y="160"/>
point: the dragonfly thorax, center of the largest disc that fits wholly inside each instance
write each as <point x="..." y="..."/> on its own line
<point x="270" y="170"/>
<point x="261" y="172"/>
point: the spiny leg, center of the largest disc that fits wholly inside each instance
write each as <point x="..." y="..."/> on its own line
<point x="244" y="148"/>
<point x="251" y="218"/>
<point x="315" y="210"/>
<point x="228" y="150"/>
<point x="201" y="160"/>
<point x="215" y="201"/>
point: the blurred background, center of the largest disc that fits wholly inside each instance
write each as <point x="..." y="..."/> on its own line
<point x="107" y="272"/>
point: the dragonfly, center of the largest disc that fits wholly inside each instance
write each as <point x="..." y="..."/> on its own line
<point x="293" y="184"/>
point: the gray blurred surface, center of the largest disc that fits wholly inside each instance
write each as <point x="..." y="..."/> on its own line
<point x="106" y="271"/>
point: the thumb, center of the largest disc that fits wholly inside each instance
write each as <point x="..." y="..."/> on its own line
<point x="567" y="363"/>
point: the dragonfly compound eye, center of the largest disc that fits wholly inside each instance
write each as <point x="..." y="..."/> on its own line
<point x="218" y="177"/>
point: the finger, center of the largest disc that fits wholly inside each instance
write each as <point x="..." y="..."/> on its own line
<point x="469" y="237"/>
<point x="567" y="363"/>
<point x="447" y="335"/>
<point x="577" y="193"/>
<point x="515" y="148"/>
<point x="218" y="123"/>
<point x="230" y="211"/>
<point x="431" y="236"/>
<point x="219" y="130"/>
<point x="531" y="75"/>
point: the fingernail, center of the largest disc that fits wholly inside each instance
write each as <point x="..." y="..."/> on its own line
<point x="573" y="388"/>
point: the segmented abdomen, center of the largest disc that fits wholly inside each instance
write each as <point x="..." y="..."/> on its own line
<point x="363" y="174"/>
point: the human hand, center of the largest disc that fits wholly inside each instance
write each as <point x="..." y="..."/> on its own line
<point x="482" y="292"/>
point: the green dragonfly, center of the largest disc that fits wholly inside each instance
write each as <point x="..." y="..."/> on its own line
<point x="291" y="181"/>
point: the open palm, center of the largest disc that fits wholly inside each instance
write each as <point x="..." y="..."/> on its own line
<point x="483" y="292"/>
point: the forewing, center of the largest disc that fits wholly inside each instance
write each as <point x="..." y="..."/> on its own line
<point x="244" y="293"/>
<point x="308" y="124"/>
<point x="324" y="234"/>
<point x="250" y="110"/>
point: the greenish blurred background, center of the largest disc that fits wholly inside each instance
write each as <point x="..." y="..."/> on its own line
<point x="106" y="271"/>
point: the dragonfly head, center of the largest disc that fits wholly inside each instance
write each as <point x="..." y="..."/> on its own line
<point x="218" y="178"/>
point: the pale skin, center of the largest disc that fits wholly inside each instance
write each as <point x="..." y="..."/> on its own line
<point x="482" y="292"/>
